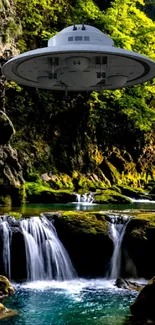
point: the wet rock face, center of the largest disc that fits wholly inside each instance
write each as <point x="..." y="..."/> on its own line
<point x="6" y="128"/>
<point x="11" y="178"/>
<point x="143" y="306"/>
<point x="128" y="285"/>
<point x="10" y="169"/>
<point x="139" y="242"/>
<point x="86" y="239"/>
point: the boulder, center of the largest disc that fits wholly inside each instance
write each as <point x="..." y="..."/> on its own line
<point x="144" y="305"/>
<point x="6" y="288"/>
<point x="110" y="196"/>
<point x="139" y="242"/>
<point x="134" y="193"/>
<point x="85" y="235"/>
<point x="129" y="285"/>
<point x="5" y="312"/>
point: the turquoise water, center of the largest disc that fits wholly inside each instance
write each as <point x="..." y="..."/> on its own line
<point x="76" y="302"/>
<point x="36" y="209"/>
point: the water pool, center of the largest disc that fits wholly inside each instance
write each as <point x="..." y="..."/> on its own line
<point x="76" y="302"/>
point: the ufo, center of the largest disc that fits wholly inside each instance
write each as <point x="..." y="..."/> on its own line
<point x="79" y="58"/>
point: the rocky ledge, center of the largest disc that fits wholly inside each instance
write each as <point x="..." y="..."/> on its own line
<point x="142" y="308"/>
<point x="6" y="290"/>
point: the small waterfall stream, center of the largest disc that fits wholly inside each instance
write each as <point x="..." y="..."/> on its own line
<point x="4" y="226"/>
<point x="46" y="257"/>
<point x="84" y="198"/>
<point x="118" y="227"/>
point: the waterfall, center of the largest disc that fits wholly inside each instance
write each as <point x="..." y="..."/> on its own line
<point x="5" y="233"/>
<point x="141" y="200"/>
<point x="118" y="227"/>
<point x="84" y="198"/>
<point x="46" y="257"/>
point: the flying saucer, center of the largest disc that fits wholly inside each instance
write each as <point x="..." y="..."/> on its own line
<point x="79" y="58"/>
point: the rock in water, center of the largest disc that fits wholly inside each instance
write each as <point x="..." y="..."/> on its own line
<point x="144" y="305"/>
<point x="129" y="285"/>
<point x="5" y="312"/>
<point x="6" y="288"/>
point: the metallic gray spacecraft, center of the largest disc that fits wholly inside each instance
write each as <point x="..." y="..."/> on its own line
<point x="79" y="58"/>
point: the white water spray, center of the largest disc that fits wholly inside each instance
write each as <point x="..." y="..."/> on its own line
<point x="6" y="246"/>
<point x="118" y="227"/>
<point x="46" y="257"/>
<point x="45" y="254"/>
<point x="84" y="198"/>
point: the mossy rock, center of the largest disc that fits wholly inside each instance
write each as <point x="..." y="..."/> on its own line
<point x="15" y="214"/>
<point x="110" y="196"/>
<point x="61" y="181"/>
<point x="135" y="193"/>
<point x="6" y="288"/>
<point x="5" y="200"/>
<point x="38" y="193"/>
<point x="85" y="235"/>
<point x="5" y="312"/>
<point x="110" y="171"/>
<point x="139" y="241"/>
<point x="80" y="222"/>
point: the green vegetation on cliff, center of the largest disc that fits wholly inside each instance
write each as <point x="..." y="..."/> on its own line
<point x="103" y="138"/>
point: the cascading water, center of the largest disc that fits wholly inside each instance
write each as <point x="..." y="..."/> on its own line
<point x="84" y="198"/>
<point x="5" y="233"/>
<point x="118" y="227"/>
<point x="45" y="254"/>
<point x="46" y="257"/>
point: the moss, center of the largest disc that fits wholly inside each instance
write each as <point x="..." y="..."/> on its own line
<point x="15" y="214"/>
<point x="110" y="171"/>
<point x="130" y="191"/>
<point x="116" y="189"/>
<point x="84" y="222"/>
<point x="61" y="181"/>
<point x="110" y="196"/>
<point x="84" y="182"/>
<point x="148" y="217"/>
<point x="33" y="177"/>
<point x="5" y="200"/>
<point x="39" y="193"/>
<point x="141" y="225"/>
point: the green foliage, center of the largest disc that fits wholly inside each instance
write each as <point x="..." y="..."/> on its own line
<point x="5" y="200"/>
<point x="110" y="196"/>
<point x="15" y="214"/>
<point x="33" y="177"/>
<point x="81" y="132"/>
<point x="41" y="193"/>
<point x="41" y="20"/>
